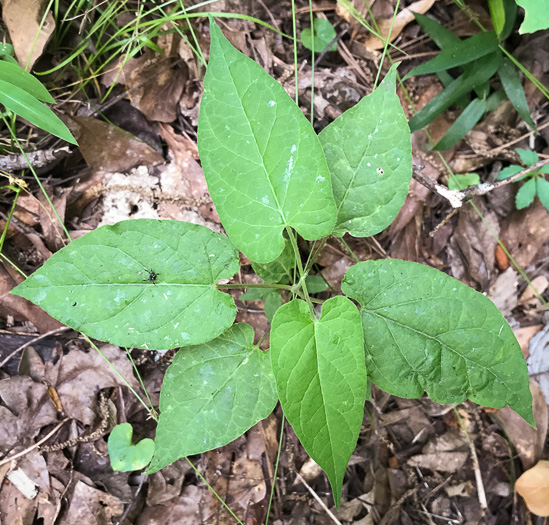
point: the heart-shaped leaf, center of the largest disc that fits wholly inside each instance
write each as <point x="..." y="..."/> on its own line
<point x="141" y="283"/>
<point x="369" y="153"/>
<point x="321" y="380"/>
<point x="262" y="160"/>
<point x="126" y="456"/>
<point x="212" y="394"/>
<point x="425" y="331"/>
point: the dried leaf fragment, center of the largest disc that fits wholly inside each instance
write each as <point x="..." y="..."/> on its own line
<point x="533" y="486"/>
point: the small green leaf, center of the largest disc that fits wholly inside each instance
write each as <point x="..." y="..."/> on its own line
<point x="324" y="34"/>
<point x="497" y="13"/>
<point x="542" y="191"/>
<point x="369" y="154"/>
<point x="535" y="17"/>
<point x="463" y="124"/>
<point x="15" y="74"/>
<point x="425" y="331"/>
<point x="321" y="380"/>
<point x="262" y="159"/>
<point x="255" y="294"/>
<point x="281" y="269"/>
<point x="126" y="456"/>
<point x="100" y="284"/>
<point x="495" y="99"/>
<point x="273" y="302"/>
<point x="316" y="284"/>
<point x="475" y="75"/>
<point x="212" y="394"/>
<point x="6" y="51"/>
<point x="513" y="89"/>
<point x="460" y="182"/>
<point x="544" y="169"/>
<point x="458" y="53"/>
<point x="441" y="36"/>
<point x="509" y="171"/>
<point x="26" y="106"/>
<point x="526" y="194"/>
<point x="527" y="156"/>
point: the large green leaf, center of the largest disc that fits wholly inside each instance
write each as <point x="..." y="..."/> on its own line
<point x="15" y="74"/>
<point x="458" y="53"/>
<point x="425" y="331"/>
<point x="143" y="283"/>
<point x="535" y="16"/>
<point x="262" y="159"/>
<point x="213" y="393"/>
<point x="26" y="106"/>
<point x="475" y="75"/>
<point x="321" y="380"/>
<point x="369" y="154"/>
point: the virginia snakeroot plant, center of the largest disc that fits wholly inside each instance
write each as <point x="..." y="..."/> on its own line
<point x="154" y="284"/>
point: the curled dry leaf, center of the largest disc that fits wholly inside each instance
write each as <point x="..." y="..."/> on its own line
<point x="533" y="486"/>
<point x="402" y="19"/>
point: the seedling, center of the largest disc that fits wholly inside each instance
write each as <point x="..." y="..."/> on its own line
<point x="535" y="183"/>
<point x="271" y="177"/>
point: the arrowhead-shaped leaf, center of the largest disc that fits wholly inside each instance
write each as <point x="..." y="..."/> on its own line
<point x="262" y="160"/>
<point x="126" y="456"/>
<point x="321" y="380"/>
<point x="425" y="331"/>
<point x="369" y="153"/>
<point x="212" y="394"/>
<point x="102" y="285"/>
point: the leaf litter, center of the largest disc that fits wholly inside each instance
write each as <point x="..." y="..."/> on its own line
<point x="413" y="462"/>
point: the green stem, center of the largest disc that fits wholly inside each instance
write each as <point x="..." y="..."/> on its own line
<point x="355" y="257"/>
<point x="10" y="215"/>
<point x="151" y="410"/>
<point x="302" y="274"/>
<point x="294" y="34"/>
<point x="254" y="285"/>
<point x="273" y="484"/>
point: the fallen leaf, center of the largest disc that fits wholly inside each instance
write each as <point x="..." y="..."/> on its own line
<point x="537" y="360"/>
<point x="530" y="296"/>
<point x="524" y="335"/>
<point x="402" y="19"/>
<point x="533" y="486"/>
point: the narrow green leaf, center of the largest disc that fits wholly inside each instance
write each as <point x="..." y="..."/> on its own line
<point x="262" y="160"/>
<point x="15" y="74"/>
<point x="460" y="182"/>
<point x="478" y="73"/>
<point x="369" y="153"/>
<point x="458" y="54"/>
<point x="535" y="17"/>
<point x="101" y="284"/>
<point x="463" y="124"/>
<point x="425" y="331"/>
<point x="509" y="171"/>
<point x="510" y="8"/>
<point x="321" y="380"/>
<point x="26" y="106"/>
<point x="324" y="33"/>
<point x="513" y="89"/>
<point x="273" y="302"/>
<point x="441" y="36"/>
<point x="497" y="13"/>
<point x="527" y="156"/>
<point x="281" y="269"/>
<point x="212" y="394"/>
<point x="542" y="191"/>
<point x="126" y="456"/>
<point x="526" y="194"/>
<point x="495" y="99"/>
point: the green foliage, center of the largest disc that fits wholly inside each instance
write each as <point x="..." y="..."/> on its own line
<point x="156" y="284"/>
<point x="126" y="456"/>
<point x="535" y="184"/>
<point x="460" y="182"/>
<point x="535" y="16"/>
<point x="23" y="94"/>
<point x="479" y="58"/>
<point x="324" y="33"/>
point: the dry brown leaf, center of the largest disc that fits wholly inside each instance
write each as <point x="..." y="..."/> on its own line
<point x="533" y="486"/>
<point x="530" y="296"/>
<point x="105" y="147"/>
<point x="527" y="441"/>
<point x="402" y="19"/>
<point x="27" y="37"/>
<point x="524" y="335"/>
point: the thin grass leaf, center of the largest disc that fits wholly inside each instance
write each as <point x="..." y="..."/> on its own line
<point x="464" y="123"/>
<point x="458" y="54"/>
<point x="479" y="73"/>
<point x="514" y="91"/>
<point x="441" y="36"/>
<point x="16" y="75"/>
<point x="497" y="13"/>
<point x="525" y="196"/>
<point x="26" y="106"/>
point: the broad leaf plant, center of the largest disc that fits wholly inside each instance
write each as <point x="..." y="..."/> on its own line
<point x="158" y="284"/>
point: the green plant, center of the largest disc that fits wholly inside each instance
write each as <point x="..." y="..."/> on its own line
<point x="270" y="176"/>
<point x="480" y="57"/>
<point x="23" y="94"/>
<point x="535" y="181"/>
<point x="322" y="33"/>
<point x="125" y="455"/>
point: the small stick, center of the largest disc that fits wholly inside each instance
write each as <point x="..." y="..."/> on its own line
<point x="317" y="497"/>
